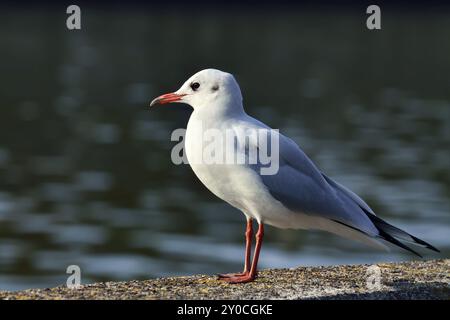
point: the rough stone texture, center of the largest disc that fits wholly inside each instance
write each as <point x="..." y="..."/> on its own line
<point x="408" y="280"/>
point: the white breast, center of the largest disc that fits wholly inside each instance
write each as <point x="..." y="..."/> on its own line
<point x="236" y="184"/>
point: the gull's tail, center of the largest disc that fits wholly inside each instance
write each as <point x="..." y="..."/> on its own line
<point x="393" y="235"/>
<point x="386" y="231"/>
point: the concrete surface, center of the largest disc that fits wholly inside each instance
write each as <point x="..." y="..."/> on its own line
<point x="407" y="280"/>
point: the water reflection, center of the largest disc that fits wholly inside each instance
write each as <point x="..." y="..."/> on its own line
<point x="85" y="171"/>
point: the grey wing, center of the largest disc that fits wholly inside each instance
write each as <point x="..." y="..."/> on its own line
<point x="348" y="193"/>
<point x="301" y="187"/>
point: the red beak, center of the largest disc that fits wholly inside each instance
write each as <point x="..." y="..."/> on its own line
<point x="167" y="98"/>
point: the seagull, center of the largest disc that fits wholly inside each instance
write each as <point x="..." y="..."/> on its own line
<point x="297" y="196"/>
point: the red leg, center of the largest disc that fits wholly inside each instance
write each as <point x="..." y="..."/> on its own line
<point x="248" y="249"/>
<point x="248" y="244"/>
<point x="250" y="276"/>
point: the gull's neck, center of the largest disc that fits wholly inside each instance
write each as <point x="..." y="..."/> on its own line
<point x="222" y="110"/>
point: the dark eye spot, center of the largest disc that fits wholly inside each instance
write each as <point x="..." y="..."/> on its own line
<point x="195" y="86"/>
<point x="215" y="87"/>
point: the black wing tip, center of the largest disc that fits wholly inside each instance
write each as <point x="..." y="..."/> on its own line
<point x="425" y="244"/>
<point x="378" y="222"/>
<point x="391" y="239"/>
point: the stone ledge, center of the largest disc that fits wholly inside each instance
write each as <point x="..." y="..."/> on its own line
<point x="406" y="280"/>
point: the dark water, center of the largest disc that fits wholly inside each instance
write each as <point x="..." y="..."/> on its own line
<point x="85" y="170"/>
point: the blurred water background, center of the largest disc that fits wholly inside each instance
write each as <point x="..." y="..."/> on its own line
<point x="85" y="170"/>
